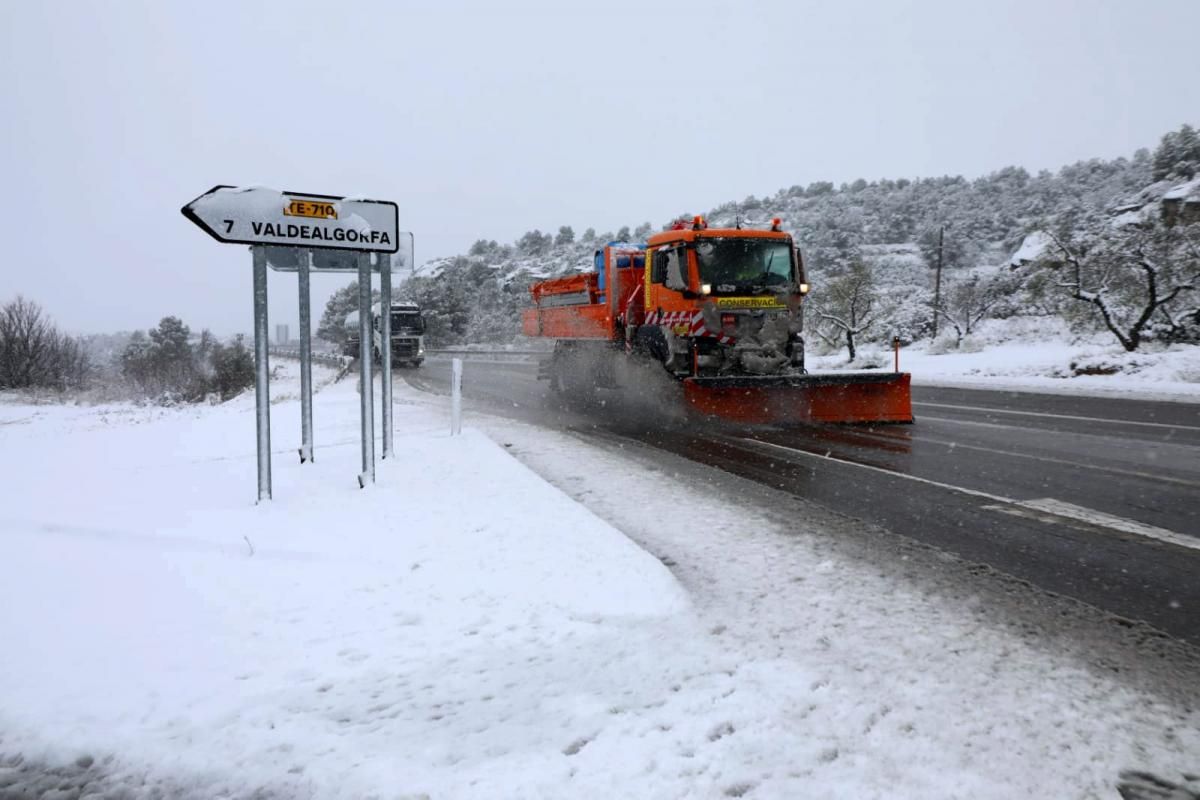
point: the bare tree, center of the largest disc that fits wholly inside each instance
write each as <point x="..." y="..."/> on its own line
<point x="1130" y="274"/>
<point x="34" y="353"/>
<point x="846" y="307"/>
<point x="972" y="300"/>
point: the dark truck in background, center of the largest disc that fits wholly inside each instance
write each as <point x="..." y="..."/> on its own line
<point x="408" y="334"/>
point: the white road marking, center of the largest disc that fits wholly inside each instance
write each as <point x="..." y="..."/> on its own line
<point x="1045" y="506"/>
<point x="893" y="473"/>
<point x="1060" y="508"/>
<point x="1061" y="416"/>
<point x="1051" y="460"/>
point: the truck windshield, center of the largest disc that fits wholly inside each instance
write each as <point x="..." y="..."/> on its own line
<point x="744" y="264"/>
<point x="406" y="321"/>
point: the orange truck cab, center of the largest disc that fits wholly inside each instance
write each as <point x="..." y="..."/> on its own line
<point x="724" y="300"/>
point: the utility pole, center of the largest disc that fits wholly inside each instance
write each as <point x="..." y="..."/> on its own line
<point x="937" y="281"/>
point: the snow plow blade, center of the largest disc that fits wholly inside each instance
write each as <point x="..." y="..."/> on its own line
<point x="835" y="397"/>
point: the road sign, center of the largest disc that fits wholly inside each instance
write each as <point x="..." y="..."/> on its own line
<point x="260" y="216"/>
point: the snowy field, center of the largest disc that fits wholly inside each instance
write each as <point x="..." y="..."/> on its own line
<point x="1040" y="356"/>
<point x="466" y="628"/>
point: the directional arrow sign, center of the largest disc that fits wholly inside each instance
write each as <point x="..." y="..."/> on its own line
<point x="292" y="219"/>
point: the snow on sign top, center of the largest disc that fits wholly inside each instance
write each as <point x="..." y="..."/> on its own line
<point x="293" y="219"/>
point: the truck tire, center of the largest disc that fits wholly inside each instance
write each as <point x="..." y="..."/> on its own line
<point x="573" y="373"/>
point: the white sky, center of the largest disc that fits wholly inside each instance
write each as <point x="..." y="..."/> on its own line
<point x="489" y="119"/>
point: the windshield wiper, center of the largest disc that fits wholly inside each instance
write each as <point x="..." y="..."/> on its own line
<point x="762" y="280"/>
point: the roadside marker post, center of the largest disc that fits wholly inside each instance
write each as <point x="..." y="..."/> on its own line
<point x="456" y="396"/>
<point x="294" y="231"/>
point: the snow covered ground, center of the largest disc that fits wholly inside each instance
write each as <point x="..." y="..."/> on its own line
<point x="466" y="629"/>
<point x="1040" y="355"/>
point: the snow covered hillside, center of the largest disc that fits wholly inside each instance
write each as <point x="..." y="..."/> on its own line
<point x="466" y="629"/>
<point x="983" y="231"/>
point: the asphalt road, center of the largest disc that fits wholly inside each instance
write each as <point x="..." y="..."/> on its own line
<point x="1094" y="498"/>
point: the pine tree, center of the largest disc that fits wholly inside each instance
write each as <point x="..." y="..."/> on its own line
<point x="332" y="327"/>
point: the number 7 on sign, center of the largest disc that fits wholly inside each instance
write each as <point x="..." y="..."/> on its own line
<point x="228" y="225"/>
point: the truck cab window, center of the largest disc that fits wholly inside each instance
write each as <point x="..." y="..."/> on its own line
<point x="676" y="269"/>
<point x="658" y="269"/>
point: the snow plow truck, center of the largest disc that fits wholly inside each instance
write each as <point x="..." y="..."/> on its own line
<point x="721" y="311"/>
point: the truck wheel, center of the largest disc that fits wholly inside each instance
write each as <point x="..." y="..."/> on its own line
<point x="571" y="376"/>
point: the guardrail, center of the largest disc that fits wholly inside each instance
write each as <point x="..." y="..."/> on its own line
<point x="485" y="354"/>
<point x="328" y="359"/>
<point x="496" y="356"/>
<point x="341" y="362"/>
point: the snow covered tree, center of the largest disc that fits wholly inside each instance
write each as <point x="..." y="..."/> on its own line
<point x="623" y="235"/>
<point x="483" y="247"/>
<point x="534" y="243"/>
<point x="163" y="363"/>
<point x="642" y="232"/>
<point x="173" y="359"/>
<point x="332" y="327"/>
<point x="232" y="368"/>
<point x="1140" y="278"/>
<point x="967" y="302"/>
<point x="136" y="362"/>
<point x="1178" y="154"/>
<point x="566" y="236"/>
<point x="845" y="307"/>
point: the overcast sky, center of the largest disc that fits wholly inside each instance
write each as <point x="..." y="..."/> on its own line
<point x="485" y="120"/>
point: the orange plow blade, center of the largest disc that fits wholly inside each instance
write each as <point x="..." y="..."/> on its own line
<point x="836" y="397"/>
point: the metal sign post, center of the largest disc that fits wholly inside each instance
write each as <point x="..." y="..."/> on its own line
<point x="306" y="426"/>
<point x="385" y="335"/>
<point x="365" y="384"/>
<point x="305" y="233"/>
<point x="262" y="374"/>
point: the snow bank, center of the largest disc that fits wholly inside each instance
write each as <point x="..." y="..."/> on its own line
<point x="334" y="641"/>
<point x="1032" y="247"/>
<point x="863" y="666"/>
<point x="463" y="629"/>
<point x="1039" y="355"/>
